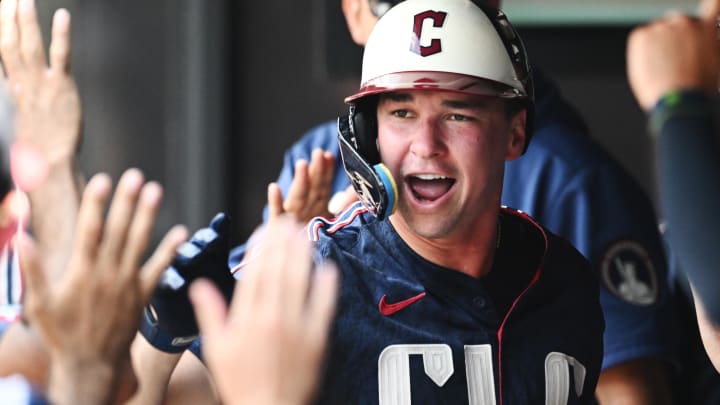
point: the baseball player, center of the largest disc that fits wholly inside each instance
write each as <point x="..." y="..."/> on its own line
<point x="436" y="303"/>
<point x="446" y="297"/>
<point x="568" y="183"/>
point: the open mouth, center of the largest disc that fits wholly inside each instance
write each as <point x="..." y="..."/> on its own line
<point x="429" y="187"/>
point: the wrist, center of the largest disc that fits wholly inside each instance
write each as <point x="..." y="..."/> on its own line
<point x="75" y="381"/>
<point x="161" y="337"/>
<point x="677" y="103"/>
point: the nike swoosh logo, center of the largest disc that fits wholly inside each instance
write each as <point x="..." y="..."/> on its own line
<point x="389" y="309"/>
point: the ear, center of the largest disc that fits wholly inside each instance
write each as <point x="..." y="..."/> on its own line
<point x="517" y="139"/>
<point x="359" y="19"/>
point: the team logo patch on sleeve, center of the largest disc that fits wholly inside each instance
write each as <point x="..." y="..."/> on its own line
<point x="628" y="273"/>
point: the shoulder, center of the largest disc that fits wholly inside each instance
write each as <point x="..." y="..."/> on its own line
<point x="340" y="230"/>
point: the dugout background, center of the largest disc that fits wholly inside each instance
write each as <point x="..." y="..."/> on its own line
<point x="204" y="95"/>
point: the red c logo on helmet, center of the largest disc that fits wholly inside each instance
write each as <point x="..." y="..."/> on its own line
<point x="438" y="18"/>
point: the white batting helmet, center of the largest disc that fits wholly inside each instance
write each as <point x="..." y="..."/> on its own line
<point x="454" y="45"/>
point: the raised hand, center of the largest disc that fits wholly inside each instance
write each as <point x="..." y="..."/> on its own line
<point x="88" y="318"/>
<point x="678" y="52"/>
<point x="309" y="192"/>
<point x="267" y="348"/>
<point x="46" y="97"/>
<point x="48" y="124"/>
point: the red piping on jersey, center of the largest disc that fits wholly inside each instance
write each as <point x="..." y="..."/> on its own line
<point x="313" y="228"/>
<point x="336" y="224"/>
<point x="534" y="280"/>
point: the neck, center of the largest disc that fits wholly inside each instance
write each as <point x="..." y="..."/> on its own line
<point x="469" y="252"/>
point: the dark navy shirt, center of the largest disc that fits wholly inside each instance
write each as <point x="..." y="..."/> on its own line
<point x="407" y="330"/>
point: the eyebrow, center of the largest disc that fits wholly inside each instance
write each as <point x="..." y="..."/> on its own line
<point x="474" y="104"/>
<point x="398" y="97"/>
<point x="464" y="105"/>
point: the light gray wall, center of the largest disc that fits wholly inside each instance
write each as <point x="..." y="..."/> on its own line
<point x="151" y="76"/>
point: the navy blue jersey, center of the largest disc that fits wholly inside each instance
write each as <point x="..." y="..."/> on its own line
<point x="529" y="332"/>
<point x="572" y="186"/>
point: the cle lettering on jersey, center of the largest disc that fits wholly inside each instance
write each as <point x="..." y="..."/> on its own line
<point x="395" y="383"/>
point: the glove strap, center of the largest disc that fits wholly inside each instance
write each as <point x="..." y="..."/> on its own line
<point x="160" y="338"/>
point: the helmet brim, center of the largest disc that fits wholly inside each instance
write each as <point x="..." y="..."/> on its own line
<point x="443" y="81"/>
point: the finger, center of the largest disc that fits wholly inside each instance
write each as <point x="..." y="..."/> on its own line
<point x="322" y="302"/>
<point x="90" y="222"/>
<point x="31" y="43"/>
<point x="709" y="10"/>
<point x="210" y="308"/>
<point x="264" y="280"/>
<point x="141" y="227"/>
<point x="161" y="259"/>
<point x="341" y="200"/>
<point x="261" y="285"/>
<point x="296" y="195"/>
<point x="121" y="213"/>
<point x="34" y="277"/>
<point x="295" y="271"/>
<point x="320" y="174"/>
<point x="9" y="43"/>
<point x="275" y="201"/>
<point x="60" y="43"/>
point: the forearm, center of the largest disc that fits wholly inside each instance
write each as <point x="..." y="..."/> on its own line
<point x="153" y="369"/>
<point x="77" y="382"/>
<point x="22" y="352"/>
<point x="636" y="382"/>
<point x="54" y="207"/>
<point x="689" y="163"/>
<point x="709" y="331"/>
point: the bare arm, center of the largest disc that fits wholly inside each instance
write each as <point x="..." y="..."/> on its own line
<point x="635" y="383"/>
<point x="48" y="119"/>
<point x="709" y="331"/>
<point x="88" y="318"/>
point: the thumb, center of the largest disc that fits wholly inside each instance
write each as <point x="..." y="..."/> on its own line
<point x="275" y="201"/>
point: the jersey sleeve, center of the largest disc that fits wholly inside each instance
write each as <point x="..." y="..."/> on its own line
<point x="689" y="169"/>
<point x="607" y="217"/>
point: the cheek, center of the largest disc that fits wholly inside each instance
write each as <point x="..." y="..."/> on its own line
<point x="485" y="148"/>
<point x="391" y="148"/>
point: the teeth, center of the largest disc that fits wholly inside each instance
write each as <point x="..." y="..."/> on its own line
<point x="430" y="177"/>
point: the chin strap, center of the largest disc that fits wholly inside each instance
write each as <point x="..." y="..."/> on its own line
<point x="374" y="184"/>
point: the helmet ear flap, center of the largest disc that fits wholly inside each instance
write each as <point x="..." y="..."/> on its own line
<point x="363" y="116"/>
<point x="371" y="180"/>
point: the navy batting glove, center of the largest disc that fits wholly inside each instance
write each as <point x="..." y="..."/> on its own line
<point x="168" y="322"/>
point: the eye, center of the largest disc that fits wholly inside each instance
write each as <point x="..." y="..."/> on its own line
<point x="401" y="113"/>
<point x="459" y="117"/>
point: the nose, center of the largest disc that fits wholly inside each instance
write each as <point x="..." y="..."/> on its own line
<point x="427" y="141"/>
